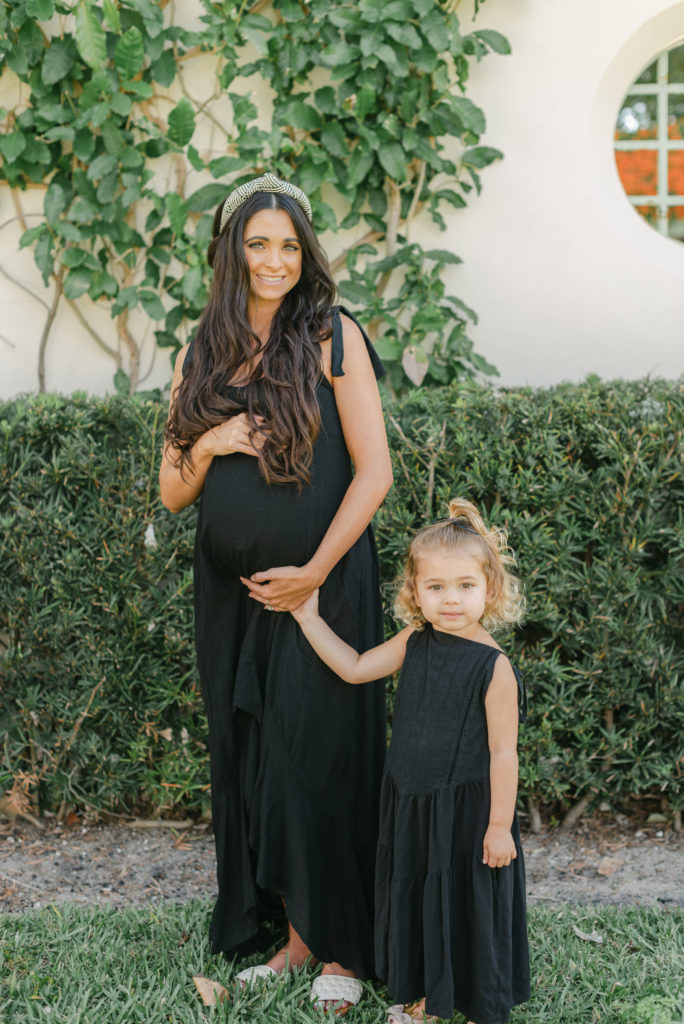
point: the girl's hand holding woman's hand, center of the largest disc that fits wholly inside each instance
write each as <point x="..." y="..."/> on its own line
<point x="282" y="589"/>
<point x="498" y="848"/>
<point x="307" y="609"/>
<point x="232" y="436"/>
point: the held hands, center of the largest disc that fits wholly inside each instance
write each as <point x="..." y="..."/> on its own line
<point x="498" y="848"/>
<point x="282" y="589"/>
<point x="307" y="610"/>
<point x="232" y="436"/>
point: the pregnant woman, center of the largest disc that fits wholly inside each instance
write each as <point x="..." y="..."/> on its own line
<point x="275" y="424"/>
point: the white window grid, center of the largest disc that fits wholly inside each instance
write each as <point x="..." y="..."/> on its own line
<point x="664" y="145"/>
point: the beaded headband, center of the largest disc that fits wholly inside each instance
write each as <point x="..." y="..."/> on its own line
<point x="266" y="183"/>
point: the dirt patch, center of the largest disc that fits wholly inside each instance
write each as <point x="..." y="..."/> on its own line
<point x="601" y="861"/>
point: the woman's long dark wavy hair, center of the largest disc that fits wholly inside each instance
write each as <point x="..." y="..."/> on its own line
<point x="290" y="368"/>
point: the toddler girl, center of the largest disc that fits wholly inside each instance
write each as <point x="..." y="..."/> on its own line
<point x="450" y="931"/>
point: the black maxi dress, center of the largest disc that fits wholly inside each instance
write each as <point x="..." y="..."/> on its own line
<point x="448" y="927"/>
<point x="296" y="753"/>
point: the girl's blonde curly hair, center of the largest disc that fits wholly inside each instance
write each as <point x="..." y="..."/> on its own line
<point x="465" y="529"/>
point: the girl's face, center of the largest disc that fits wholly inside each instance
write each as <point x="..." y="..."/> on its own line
<point x="451" y="591"/>
<point x="274" y="255"/>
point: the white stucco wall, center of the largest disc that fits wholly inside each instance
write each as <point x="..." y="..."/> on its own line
<point x="565" y="276"/>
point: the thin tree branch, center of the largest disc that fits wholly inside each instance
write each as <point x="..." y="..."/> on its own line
<point x="133" y="351"/>
<point x="18" y="207"/>
<point x="339" y="261"/>
<point x="391" y="235"/>
<point x="111" y="352"/>
<point x="6" y="223"/>
<point x="52" y="312"/>
<point x="416" y="196"/>
<point x="23" y="287"/>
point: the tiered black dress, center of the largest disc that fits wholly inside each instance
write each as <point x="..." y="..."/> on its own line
<point x="447" y="926"/>
<point x="296" y="754"/>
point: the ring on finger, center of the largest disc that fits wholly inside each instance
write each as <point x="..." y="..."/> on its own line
<point x="269" y="606"/>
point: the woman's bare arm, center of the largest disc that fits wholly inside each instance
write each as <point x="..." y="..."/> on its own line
<point x="177" y="492"/>
<point x="360" y="411"/>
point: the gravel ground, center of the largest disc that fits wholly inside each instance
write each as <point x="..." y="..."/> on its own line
<point x="601" y="861"/>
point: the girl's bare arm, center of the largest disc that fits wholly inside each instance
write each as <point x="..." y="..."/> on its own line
<point x="347" y="663"/>
<point x="501" y="706"/>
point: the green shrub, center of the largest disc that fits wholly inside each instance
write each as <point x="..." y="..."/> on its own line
<point x="100" y="703"/>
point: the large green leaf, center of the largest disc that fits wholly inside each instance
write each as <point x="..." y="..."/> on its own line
<point x="338" y="53"/>
<point x="58" y="61"/>
<point x="393" y="160"/>
<point x="129" y="53"/>
<point x="207" y="197"/>
<point x="334" y="140"/>
<point x="191" y="285"/>
<point x="55" y="202"/>
<point x="151" y="14"/>
<point x="404" y="33"/>
<point x="481" y="156"/>
<point x="471" y="115"/>
<point x="152" y="304"/>
<point x="366" y="100"/>
<point x="90" y="37"/>
<point x="299" y="114"/>
<point x="103" y="164"/>
<point x="177" y="211"/>
<point x="110" y="13"/>
<point x="12" y="145"/>
<point x="182" y="122"/>
<point x="442" y="256"/>
<point x="77" y="282"/>
<point x="40" y="9"/>
<point x="163" y="69"/>
<point x="494" y="40"/>
<point x="43" y="255"/>
<point x="394" y="58"/>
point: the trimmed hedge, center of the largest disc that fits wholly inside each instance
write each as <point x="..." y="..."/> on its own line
<point x="100" y="704"/>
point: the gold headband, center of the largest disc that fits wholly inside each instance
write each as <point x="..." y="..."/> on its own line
<point x="267" y="183"/>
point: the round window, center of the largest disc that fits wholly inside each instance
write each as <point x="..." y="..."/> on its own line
<point x="649" y="143"/>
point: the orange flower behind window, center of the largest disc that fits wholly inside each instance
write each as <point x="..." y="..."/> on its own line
<point x="638" y="171"/>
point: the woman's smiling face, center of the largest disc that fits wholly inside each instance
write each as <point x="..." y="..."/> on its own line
<point x="274" y="255"/>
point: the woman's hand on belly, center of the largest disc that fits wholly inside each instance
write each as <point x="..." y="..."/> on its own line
<point x="232" y="436"/>
<point x="283" y="588"/>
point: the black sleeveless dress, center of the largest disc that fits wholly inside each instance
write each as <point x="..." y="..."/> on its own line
<point x="296" y="753"/>
<point x="447" y="926"/>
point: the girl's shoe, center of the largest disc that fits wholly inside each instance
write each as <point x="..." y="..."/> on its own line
<point x="410" y="1013"/>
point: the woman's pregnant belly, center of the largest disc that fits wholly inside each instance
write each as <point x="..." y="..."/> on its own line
<point x="249" y="526"/>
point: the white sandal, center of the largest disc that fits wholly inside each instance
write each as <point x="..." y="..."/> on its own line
<point x="335" y="988"/>
<point x="261" y="972"/>
<point x="396" y="1015"/>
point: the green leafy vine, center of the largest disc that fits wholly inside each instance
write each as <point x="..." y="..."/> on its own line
<point x="360" y="104"/>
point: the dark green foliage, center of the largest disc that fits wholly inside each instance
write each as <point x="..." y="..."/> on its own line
<point x="99" y="699"/>
<point x="587" y="479"/>
<point x="100" y="705"/>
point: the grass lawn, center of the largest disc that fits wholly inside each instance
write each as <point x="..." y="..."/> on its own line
<point x="75" y="965"/>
